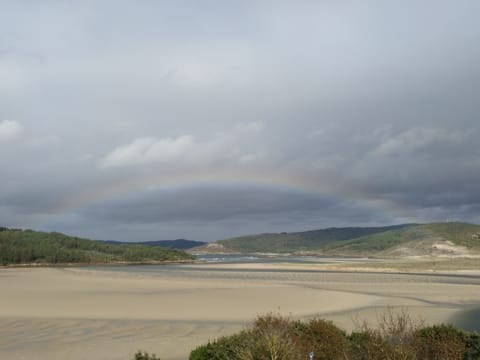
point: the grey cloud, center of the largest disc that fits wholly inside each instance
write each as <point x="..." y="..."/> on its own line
<point x="212" y="213"/>
<point x="9" y="130"/>
<point x="208" y="204"/>
<point x="377" y="99"/>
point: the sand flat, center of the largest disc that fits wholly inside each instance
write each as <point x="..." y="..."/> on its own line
<point x="83" y="314"/>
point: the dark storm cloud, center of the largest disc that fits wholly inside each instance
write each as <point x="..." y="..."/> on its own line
<point x="372" y="106"/>
<point x="238" y="210"/>
<point x="209" y="204"/>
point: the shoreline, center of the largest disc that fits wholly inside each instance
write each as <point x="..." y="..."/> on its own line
<point x="116" y="263"/>
<point x="424" y="265"/>
<point x="368" y="266"/>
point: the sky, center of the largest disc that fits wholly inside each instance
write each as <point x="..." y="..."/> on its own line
<point x="153" y="120"/>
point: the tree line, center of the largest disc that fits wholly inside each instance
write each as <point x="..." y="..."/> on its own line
<point x="33" y="247"/>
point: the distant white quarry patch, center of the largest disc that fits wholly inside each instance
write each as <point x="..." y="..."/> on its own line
<point x="437" y="247"/>
<point x="449" y="248"/>
<point x="215" y="246"/>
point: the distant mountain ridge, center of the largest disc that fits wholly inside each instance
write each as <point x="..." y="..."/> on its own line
<point x="436" y="239"/>
<point x="179" y="244"/>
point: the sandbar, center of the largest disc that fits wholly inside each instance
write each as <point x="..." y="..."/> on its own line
<point x="82" y="313"/>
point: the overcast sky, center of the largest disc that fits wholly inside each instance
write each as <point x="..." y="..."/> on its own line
<point x="150" y="120"/>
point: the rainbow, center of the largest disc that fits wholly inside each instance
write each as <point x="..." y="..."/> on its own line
<point x="275" y="180"/>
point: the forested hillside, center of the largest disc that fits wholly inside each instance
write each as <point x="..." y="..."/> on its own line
<point x="449" y="238"/>
<point x="301" y="241"/>
<point x="34" y="247"/>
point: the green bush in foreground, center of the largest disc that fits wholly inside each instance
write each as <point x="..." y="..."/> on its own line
<point x="440" y="342"/>
<point x="396" y="337"/>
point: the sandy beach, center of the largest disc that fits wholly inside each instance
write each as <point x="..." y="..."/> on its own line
<point x="84" y="313"/>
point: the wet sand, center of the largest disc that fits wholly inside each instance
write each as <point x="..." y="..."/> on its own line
<point x="52" y="313"/>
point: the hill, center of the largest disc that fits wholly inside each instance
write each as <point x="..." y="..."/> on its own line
<point x="179" y="244"/>
<point x="436" y="239"/>
<point x="34" y="247"/>
<point x="452" y="238"/>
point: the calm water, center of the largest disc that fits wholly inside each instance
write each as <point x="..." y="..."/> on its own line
<point x="242" y="259"/>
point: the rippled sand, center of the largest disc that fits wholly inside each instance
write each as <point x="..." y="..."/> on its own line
<point x="85" y="314"/>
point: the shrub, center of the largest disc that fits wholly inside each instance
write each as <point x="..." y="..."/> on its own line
<point x="322" y="337"/>
<point x="145" y="356"/>
<point x="367" y="345"/>
<point x="397" y="336"/>
<point x="213" y="351"/>
<point x="398" y="328"/>
<point x="224" y="348"/>
<point x="440" y="342"/>
<point x="391" y="338"/>
<point x="472" y="345"/>
<point x="272" y="338"/>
